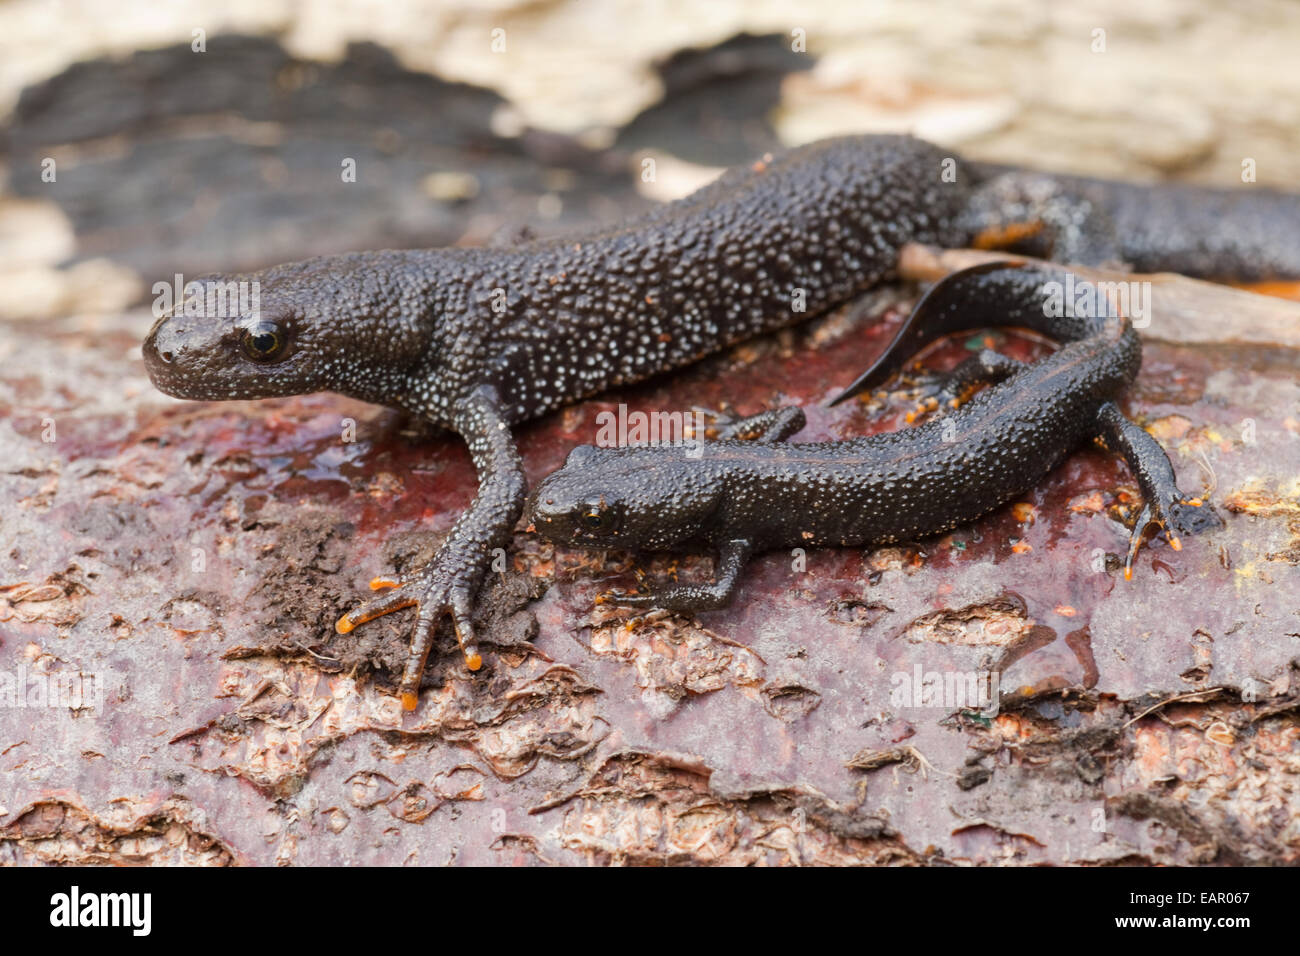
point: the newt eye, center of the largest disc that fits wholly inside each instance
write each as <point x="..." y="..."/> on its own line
<point x="264" y="342"/>
<point x="601" y="516"/>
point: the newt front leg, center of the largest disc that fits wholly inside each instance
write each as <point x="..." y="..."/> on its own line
<point x="732" y="556"/>
<point x="449" y="583"/>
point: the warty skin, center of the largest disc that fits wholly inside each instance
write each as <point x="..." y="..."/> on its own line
<point x="738" y="498"/>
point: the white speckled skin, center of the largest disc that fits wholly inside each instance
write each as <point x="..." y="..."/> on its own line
<point x="548" y="322"/>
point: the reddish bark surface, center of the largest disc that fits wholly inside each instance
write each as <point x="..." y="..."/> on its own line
<point x="192" y="558"/>
<point x="183" y="564"/>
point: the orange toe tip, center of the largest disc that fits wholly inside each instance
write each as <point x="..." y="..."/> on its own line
<point x="1175" y="544"/>
<point x="1128" y="574"/>
<point x="344" y="626"/>
<point x="410" y="700"/>
<point x="474" y="661"/>
<point x="530" y="529"/>
<point x="377" y="584"/>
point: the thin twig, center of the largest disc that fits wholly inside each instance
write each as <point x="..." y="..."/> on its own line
<point x="1170" y="700"/>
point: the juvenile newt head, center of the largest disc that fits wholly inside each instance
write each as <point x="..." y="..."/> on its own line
<point x="285" y="331"/>
<point x="633" y="498"/>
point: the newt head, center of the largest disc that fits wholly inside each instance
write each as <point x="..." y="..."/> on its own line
<point x="273" y="333"/>
<point x="224" y="342"/>
<point x="652" y="497"/>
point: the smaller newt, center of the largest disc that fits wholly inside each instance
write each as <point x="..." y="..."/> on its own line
<point x="740" y="497"/>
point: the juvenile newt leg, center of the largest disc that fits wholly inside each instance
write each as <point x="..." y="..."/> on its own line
<point x="693" y="597"/>
<point x="774" y="425"/>
<point x="946" y="392"/>
<point x="449" y="583"/>
<point x="1165" y="504"/>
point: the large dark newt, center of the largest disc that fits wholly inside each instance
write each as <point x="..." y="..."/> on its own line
<point x="739" y="497"/>
<point x="478" y="339"/>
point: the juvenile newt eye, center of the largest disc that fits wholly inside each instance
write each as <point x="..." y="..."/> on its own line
<point x="603" y="516"/>
<point x="264" y="342"/>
